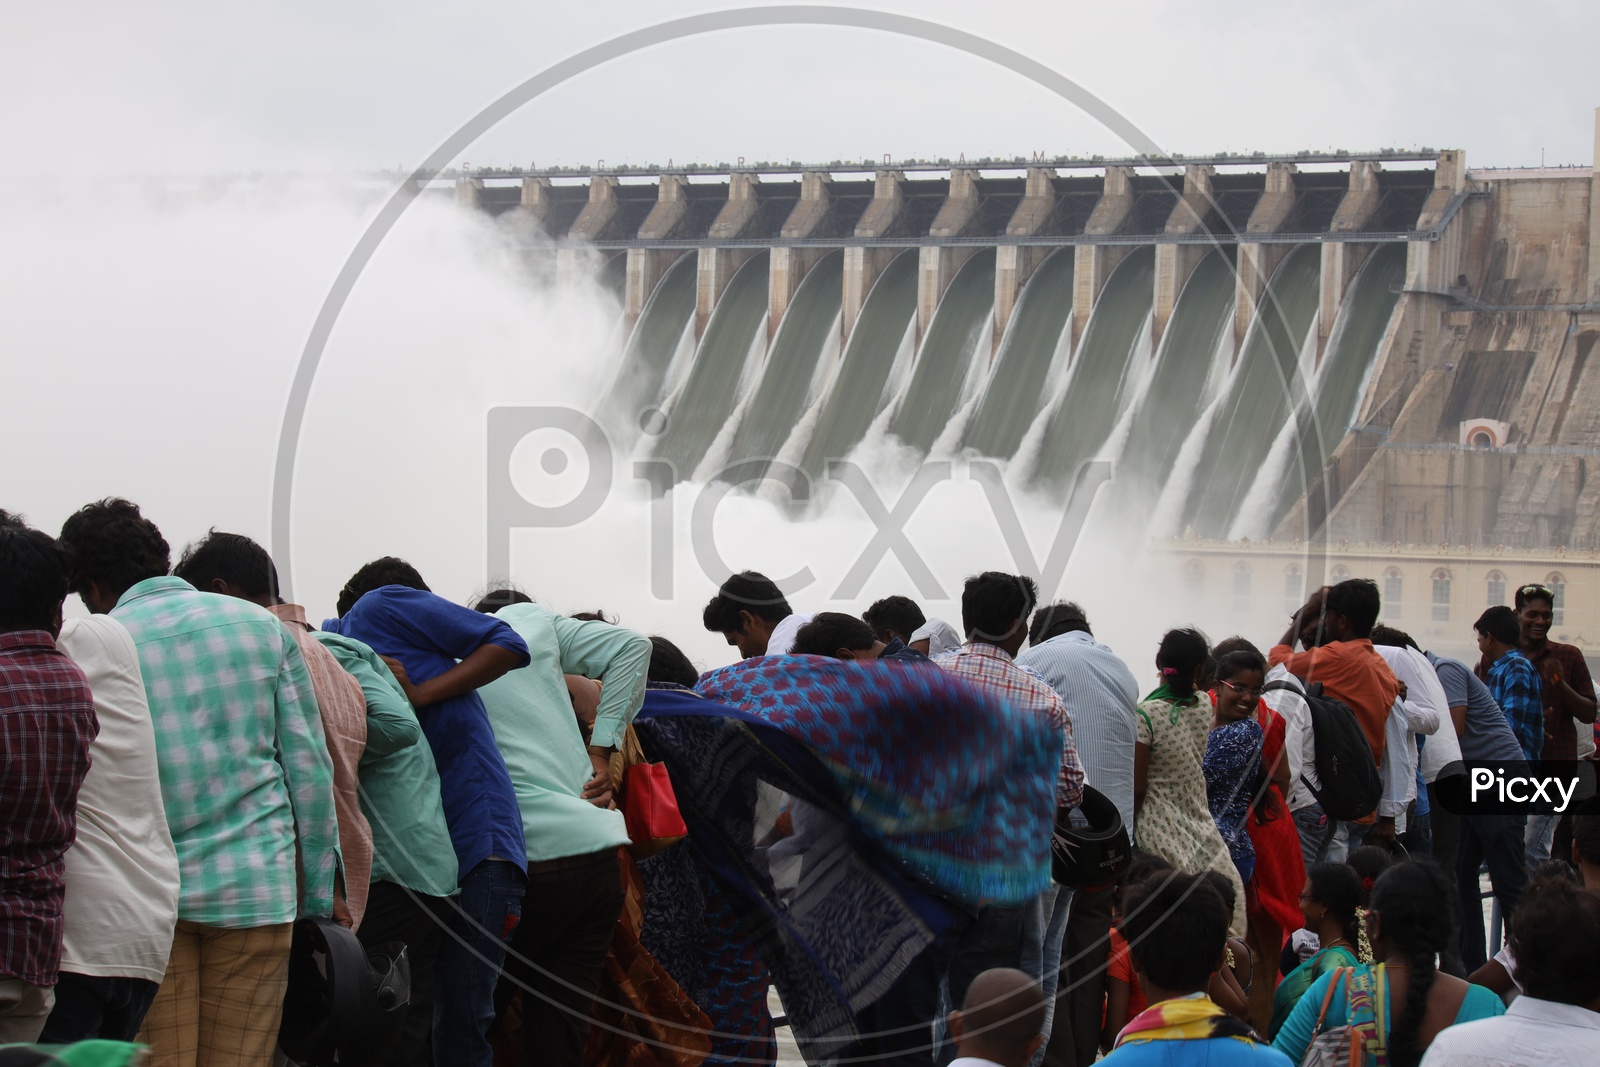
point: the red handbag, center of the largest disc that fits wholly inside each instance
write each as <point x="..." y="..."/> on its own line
<point x="650" y="808"/>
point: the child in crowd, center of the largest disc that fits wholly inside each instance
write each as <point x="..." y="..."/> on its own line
<point x="1177" y="927"/>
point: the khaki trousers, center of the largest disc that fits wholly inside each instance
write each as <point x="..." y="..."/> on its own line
<point x="222" y="998"/>
<point x="23" y="1010"/>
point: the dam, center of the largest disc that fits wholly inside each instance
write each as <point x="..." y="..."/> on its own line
<point x="1384" y="353"/>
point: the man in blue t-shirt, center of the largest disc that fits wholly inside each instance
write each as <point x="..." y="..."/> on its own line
<point x="1495" y="838"/>
<point x="447" y="652"/>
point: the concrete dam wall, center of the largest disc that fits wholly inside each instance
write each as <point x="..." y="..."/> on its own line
<point x="1383" y="347"/>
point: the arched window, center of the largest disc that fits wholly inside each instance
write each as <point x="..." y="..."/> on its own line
<point x="1558" y="610"/>
<point x="1482" y="440"/>
<point x="1241" y="587"/>
<point x="1339" y="574"/>
<point x="1394" y="588"/>
<point x="1294" y="588"/>
<point x="1194" y="577"/>
<point x="1497" y="589"/>
<point x="1441" y="595"/>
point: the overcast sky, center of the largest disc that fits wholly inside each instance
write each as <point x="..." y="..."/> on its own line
<point x="205" y="86"/>
<point x="147" y="343"/>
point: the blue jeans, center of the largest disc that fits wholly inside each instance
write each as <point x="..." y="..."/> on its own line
<point x="482" y="920"/>
<point x="1054" y="906"/>
<point x="1539" y="836"/>
<point x="89" y="1006"/>
<point x="1316" y="833"/>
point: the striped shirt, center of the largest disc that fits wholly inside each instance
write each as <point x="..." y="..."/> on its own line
<point x="1102" y="699"/>
<point x="245" y="772"/>
<point x="994" y="669"/>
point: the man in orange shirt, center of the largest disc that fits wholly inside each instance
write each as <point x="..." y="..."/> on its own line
<point x="1335" y="625"/>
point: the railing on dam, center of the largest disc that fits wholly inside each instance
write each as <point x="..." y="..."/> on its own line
<point x="1345" y="197"/>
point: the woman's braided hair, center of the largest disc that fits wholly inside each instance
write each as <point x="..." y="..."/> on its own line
<point x="1411" y="900"/>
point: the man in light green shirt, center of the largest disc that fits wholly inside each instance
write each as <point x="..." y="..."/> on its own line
<point x="413" y="862"/>
<point x="574" y="882"/>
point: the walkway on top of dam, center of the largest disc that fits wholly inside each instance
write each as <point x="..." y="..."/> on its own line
<point x="1207" y="200"/>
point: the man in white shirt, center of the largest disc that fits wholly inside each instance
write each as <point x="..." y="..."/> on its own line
<point x="1440" y="829"/>
<point x="122" y="871"/>
<point x="1285" y="695"/>
<point x="1555" y="936"/>
<point x="750" y="611"/>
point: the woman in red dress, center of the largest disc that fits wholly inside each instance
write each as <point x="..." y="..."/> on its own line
<point x="1272" y="896"/>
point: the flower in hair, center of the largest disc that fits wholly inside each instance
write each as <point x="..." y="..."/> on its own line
<point x="1363" y="944"/>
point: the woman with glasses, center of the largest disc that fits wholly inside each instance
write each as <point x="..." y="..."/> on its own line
<point x="1272" y="895"/>
<point x="1399" y="1004"/>
<point x="1233" y="754"/>
<point x="1328" y="906"/>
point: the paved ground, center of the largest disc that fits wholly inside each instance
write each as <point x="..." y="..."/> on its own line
<point x="788" y="1052"/>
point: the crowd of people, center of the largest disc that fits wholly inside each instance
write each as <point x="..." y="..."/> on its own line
<point x="860" y="815"/>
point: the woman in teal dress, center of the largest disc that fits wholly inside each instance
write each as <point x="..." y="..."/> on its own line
<point x="1409" y="922"/>
<point x="1328" y="905"/>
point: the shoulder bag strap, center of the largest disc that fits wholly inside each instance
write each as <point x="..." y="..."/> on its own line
<point x="1334" y="982"/>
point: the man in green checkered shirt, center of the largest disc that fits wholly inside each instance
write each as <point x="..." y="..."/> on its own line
<point x="245" y="777"/>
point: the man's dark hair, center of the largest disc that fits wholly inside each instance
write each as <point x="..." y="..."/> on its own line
<point x="386" y="570"/>
<point x="235" y="559"/>
<point x="1358" y="601"/>
<point x="113" y="544"/>
<point x="35" y="577"/>
<point x="1555" y="936"/>
<point x="669" y="664"/>
<point x="12" y="520"/>
<point x="829" y="631"/>
<point x="1389" y="636"/>
<point x="495" y="599"/>
<point x="994" y="604"/>
<point x="1586" y="835"/>
<point x="1534" y="591"/>
<point x="746" y="591"/>
<point x="1500" y="623"/>
<point x="598" y="615"/>
<point x="897" y="613"/>
<point x="1062" y="617"/>
<point x="1176" y="925"/>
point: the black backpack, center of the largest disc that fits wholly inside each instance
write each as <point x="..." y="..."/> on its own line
<point x="1351" y="785"/>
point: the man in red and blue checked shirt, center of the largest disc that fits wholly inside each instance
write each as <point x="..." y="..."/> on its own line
<point x="47" y="723"/>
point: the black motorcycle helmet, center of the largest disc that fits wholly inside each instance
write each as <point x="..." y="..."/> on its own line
<point x="1090" y="857"/>
<point x="346" y="1004"/>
